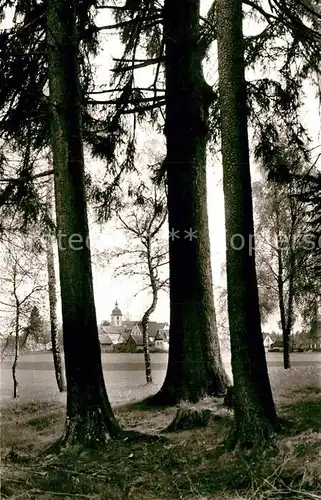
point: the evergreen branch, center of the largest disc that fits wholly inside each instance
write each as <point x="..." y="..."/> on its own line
<point x="263" y="12"/>
<point x="145" y="108"/>
<point x="124" y="24"/>
<point x="148" y="62"/>
<point x="21" y="179"/>
<point x="131" y="100"/>
<point x="141" y="89"/>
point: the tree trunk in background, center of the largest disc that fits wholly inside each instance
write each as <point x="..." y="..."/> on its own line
<point x="52" y="292"/>
<point x="90" y="419"/>
<point x="255" y="415"/>
<point x="148" y="368"/>
<point x="313" y="336"/>
<point x="16" y="354"/>
<point x="194" y="364"/>
<point x="150" y="310"/>
<point x="16" y="338"/>
<point x="285" y="335"/>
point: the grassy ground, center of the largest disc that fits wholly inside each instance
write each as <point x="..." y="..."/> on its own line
<point x="190" y="464"/>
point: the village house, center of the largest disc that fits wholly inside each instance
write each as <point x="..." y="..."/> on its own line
<point x="122" y="332"/>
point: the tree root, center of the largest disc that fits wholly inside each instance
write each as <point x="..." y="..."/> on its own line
<point x="130" y="436"/>
<point x="229" y="398"/>
<point x="191" y="418"/>
<point x="250" y="440"/>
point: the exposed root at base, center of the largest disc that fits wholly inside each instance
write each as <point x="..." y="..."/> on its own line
<point x="251" y="441"/>
<point x="191" y="418"/>
<point x="130" y="436"/>
<point x="123" y="435"/>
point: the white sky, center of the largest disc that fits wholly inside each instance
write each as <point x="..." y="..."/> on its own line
<point x="107" y="288"/>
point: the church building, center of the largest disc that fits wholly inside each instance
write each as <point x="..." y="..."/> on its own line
<point x="119" y="331"/>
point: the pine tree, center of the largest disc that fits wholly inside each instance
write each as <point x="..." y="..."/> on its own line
<point x="90" y="419"/>
<point x="254" y="411"/>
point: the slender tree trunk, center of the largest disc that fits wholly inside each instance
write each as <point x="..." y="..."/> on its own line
<point x="52" y="292"/>
<point x="289" y="325"/>
<point x="17" y="328"/>
<point x="194" y="364"/>
<point x="148" y="368"/>
<point x="16" y="353"/>
<point x="314" y="324"/>
<point x="285" y="336"/>
<point x="90" y="419"/>
<point x="150" y="310"/>
<point x="255" y="415"/>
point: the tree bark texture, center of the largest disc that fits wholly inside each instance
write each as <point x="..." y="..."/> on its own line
<point x="90" y="419"/>
<point x="52" y="292"/>
<point x="194" y="365"/>
<point x="255" y="414"/>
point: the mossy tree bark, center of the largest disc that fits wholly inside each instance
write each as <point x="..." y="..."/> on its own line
<point x="255" y="415"/>
<point x="90" y="419"/>
<point x="194" y="366"/>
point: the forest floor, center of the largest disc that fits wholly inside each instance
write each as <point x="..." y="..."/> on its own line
<point x="189" y="464"/>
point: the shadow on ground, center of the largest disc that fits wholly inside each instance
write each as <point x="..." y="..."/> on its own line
<point x="190" y="464"/>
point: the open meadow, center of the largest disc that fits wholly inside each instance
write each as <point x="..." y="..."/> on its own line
<point x="189" y="464"/>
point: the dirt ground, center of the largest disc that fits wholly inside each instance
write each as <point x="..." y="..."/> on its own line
<point x="188" y="464"/>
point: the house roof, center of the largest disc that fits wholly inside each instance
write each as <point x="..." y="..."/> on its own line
<point x="162" y="335"/>
<point x="127" y="327"/>
<point x="105" y="339"/>
<point x="138" y="339"/>
<point x="129" y="324"/>
<point x="125" y="335"/>
<point x="273" y="336"/>
<point x="112" y="329"/>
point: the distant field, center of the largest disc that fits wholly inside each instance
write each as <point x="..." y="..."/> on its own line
<point x="124" y="373"/>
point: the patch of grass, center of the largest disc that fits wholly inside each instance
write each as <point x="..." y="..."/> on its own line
<point x="190" y="464"/>
<point x="305" y="415"/>
<point x="314" y="390"/>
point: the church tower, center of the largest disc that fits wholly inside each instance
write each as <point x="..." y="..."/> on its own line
<point x="116" y="316"/>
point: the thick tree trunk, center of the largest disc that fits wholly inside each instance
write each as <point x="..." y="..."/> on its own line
<point x="90" y="419"/>
<point x="52" y="292"/>
<point x="255" y="415"/>
<point x="194" y="365"/>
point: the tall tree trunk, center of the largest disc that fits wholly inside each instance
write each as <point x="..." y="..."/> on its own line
<point x="52" y="292"/>
<point x="90" y="419"/>
<point x="194" y="364"/>
<point x="255" y="415"/>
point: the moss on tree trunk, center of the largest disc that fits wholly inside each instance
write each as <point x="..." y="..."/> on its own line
<point x="255" y="416"/>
